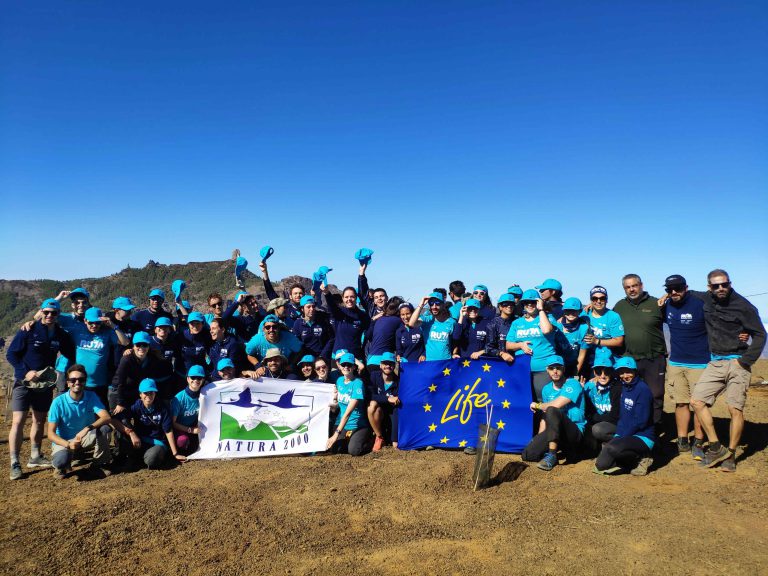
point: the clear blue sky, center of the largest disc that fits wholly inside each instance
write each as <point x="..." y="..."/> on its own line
<point x="493" y="142"/>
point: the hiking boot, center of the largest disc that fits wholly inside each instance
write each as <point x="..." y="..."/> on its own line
<point x="16" y="473"/>
<point x="683" y="445"/>
<point x="697" y="451"/>
<point x="607" y="472"/>
<point x="713" y="457"/>
<point x="642" y="467"/>
<point x="59" y="474"/>
<point x="548" y="462"/>
<point x="470" y="450"/>
<point x="378" y="443"/>
<point x="729" y="464"/>
<point x="39" y="462"/>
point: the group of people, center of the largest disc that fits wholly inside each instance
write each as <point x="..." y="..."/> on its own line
<point x="598" y="376"/>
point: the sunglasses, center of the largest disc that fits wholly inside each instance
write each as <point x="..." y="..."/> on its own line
<point x="81" y="380"/>
<point x="555" y="367"/>
<point x="598" y="299"/>
<point x="50" y="313"/>
<point x="271" y="327"/>
<point x="319" y="368"/>
<point x="505" y="304"/>
<point x="677" y="289"/>
<point x="196" y="378"/>
<point x="215" y="304"/>
<point x="141" y="345"/>
<point x="478" y="292"/>
<point x="720" y="285"/>
<point x="599" y="371"/>
<point x="435" y="303"/>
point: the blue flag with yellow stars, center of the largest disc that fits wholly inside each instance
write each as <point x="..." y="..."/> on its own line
<point x="444" y="402"/>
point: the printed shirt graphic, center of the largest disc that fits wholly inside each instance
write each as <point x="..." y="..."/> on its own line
<point x="543" y="345"/>
<point x="94" y="351"/>
<point x="348" y="391"/>
<point x="185" y="408"/>
<point x="438" y="338"/>
<point x="605" y="327"/>
<point x="572" y="390"/>
<point x="575" y="342"/>
<point x="601" y="400"/>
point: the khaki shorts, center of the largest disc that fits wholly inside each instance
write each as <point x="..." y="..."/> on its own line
<point x="723" y="376"/>
<point x="680" y="382"/>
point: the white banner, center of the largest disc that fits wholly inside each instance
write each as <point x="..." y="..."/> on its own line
<point x="244" y="418"/>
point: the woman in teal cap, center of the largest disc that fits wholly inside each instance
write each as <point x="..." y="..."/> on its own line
<point x="480" y="293"/>
<point x="572" y="329"/>
<point x="352" y="433"/>
<point x="603" y="394"/>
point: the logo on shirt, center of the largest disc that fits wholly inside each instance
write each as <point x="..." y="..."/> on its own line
<point x="629" y="404"/>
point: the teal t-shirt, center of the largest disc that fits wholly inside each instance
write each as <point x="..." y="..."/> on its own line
<point x="258" y="345"/>
<point x="94" y="352"/>
<point x="185" y="409"/>
<point x="572" y="390"/>
<point x="348" y="391"/>
<point x="600" y="396"/>
<point x="543" y="345"/>
<point x="71" y="416"/>
<point x="437" y="345"/>
<point x="605" y="327"/>
<point x="575" y="342"/>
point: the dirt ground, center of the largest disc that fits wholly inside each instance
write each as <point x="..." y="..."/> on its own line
<point x="394" y="513"/>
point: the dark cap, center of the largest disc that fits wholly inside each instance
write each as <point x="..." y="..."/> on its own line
<point x="675" y="280"/>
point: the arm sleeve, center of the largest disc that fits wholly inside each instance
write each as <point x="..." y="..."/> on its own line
<point x="269" y="289"/>
<point x="362" y="290"/>
<point x="15" y="352"/>
<point x="754" y="327"/>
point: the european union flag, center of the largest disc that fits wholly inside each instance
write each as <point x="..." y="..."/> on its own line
<point x="443" y="403"/>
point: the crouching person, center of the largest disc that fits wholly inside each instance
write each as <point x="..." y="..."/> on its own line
<point x="78" y="421"/>
<point x="562" y="426"/>
<point x="382" y="409"/>
<point x="603" y="396"/>
<point x="631" y="447"/>
<point x="151" y="432"/>
<point x="352" y="433"/>
<point x="185" y="408"/>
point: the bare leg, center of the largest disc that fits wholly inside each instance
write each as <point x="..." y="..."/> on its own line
<point x="16" y="434"/>
<point x="38" y="425"/>
<point x="705" y="419"/>
<point x="375" y="417"/>
<point x="682" y="419"/>
<point x="736" y="428"/>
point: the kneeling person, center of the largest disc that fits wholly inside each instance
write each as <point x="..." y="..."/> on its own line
<point x="351" y="424"/>
<point x="185" y="408"/>
<point x="78" y="420"/>
<point x="563" y="423"/>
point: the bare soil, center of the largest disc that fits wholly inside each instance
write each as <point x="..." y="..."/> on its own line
<point x="395" y="513"/>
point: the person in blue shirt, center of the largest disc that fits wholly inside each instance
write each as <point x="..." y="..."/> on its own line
<point x="349" y="321"/>
<point x="573" y="348"/>
<point x="185" y="408"/>
<point x="456" y="291"/>
<point x="314" y="329"/>
<point x="148" y="317"/>
<point x="273" y="334"/>
<point x="473" y="331"/>
<point x="381" y="333"/>
<point x="551" y="292"/>
<point x="605" y="335"/>
<point x="225" y="345"/>
<point x="149" y="427"/>
<point x="32" y="354"/>
<point x="498" y="328"/>
<point x="382" y="408"/>
<point x="409" y="342"/>
<point x="534" y="334"/>
<point x="352" y="433"/>
<point x="562" y="426"/>
<point x="631" y="446"/>
<point x="78" y="421"/>
<point x="480" y="293"/>
<point x="603" y="395"/>
<point x="441" y="332"/>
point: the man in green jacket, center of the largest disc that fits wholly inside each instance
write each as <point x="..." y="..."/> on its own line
<point x="644" y="338"/>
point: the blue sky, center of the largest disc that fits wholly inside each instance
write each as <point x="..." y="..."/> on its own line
<point x="500" y="142"/>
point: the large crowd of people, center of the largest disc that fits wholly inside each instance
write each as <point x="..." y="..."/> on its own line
<point x="125" y="383"/>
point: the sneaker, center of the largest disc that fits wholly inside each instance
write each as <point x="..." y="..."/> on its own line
<point x="683" y="445"/>
<point x="378" y="443"/>
<point x="39" y="462"/>
<point x="607" y="471"/>
<point x="713" y="458"/>
<point x="548" y="462"/>
<point x="470" y="450"/>
<point x="59" y="474"/>
<point x="697" y="451"/>
<point x="729" y="464"/>
<point x="16" y="473"/>
<point x="642" y="467"/>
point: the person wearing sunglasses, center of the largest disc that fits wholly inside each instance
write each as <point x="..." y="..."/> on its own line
<point x="572" y="330"/>
<point x="409" y="342"/>
<point x="728" y="316"/>
<point x="441" y="332"/>
<point x="487" y="309"/>
<point x="78" y="421"/>
<point x="473" y="331"/>
<point x="498" y="328"/>
<point x="352" y="434"/>
<point x="32" y="354"/>
<point x="272" y="334"/>
<point x="603" y="395"/>
<point x="605" y="333"/>
<point x="148" y="317"/>
<point x="644" y="338"/>
<point x="185" y="408"/>
<point x="215" y="303"/>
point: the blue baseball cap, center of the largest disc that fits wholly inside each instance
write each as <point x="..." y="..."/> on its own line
<point x="225" y="363"/>
<point x="123" y="303"/>
<point x="270" y="318"/>
<point x="530" y="295"/>
<point x="572" y="304"/>
<point x="555" y="361"/>
<point x="50" y="303"/>
<point x="307" y="300"/>
<point x="177" y="287"/>
<point x="482" y="287"/>
<point x="195" y="317"/>
<point x="603" y="361"/>
<point x="388" y="357"/>
<point x="80" y="292"/>
<point x="516" y="290"/>
<point x="347" y="359"/>
<point x="364" y="255"/>
<point x="163" y="321"/>
<point x="196" y="371"/>
<point x="339" y="353"/>
<point x="308" y="359"/>
<point x="147" y="385"/>
<point x="240" y="266"/>
<point x="436" y="296"/>
<point x="550" y="284"/>
<point x="93" y="314"/>
<point x="157" y="292"/>
<point x="507" y="297"/>
<point x="266" y="252"/>
<point x="627" y="363"/>
<point x="472" y="303"/>
<point x="374" y="360"/>
<point x="141" y="338"/>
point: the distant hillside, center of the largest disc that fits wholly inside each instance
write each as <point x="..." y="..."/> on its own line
<point x="20" y="298"/>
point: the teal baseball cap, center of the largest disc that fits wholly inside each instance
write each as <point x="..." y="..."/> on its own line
<point x="603" y="361"/>
<point x="307" y="300"/>
<point x="157" y="293"/>
<point x="141" y="338"/>
<point x="147" y="385"/>
<point x="225" y="363"/>
<point x="123" y="303"/>
<point x="51" y="303"/>
<point x="480" y="287"/>
<point x="506" y="297"/>
<point x="195" y="317"/>
<point x="364" y="255"/>
<point x="550" y="284"/>
<point x="626" y="363"/>
<point x="374" y="360"/>
<point x="388" y="357"/>
<point x="196" y="371"/>
<point x="530" y="295"/>
<point x="93" y="314"/>
<point x="347" y="359"/>
<point x="436" y="296"/>
<point x="555" y="361"/>
<point x="266" y="252"/>
<point x="163" y="321"/>
<point x="572" y="304"/>
<point x="339" y="353"/>
<point x="308" y="359"/>
<point x="515" y="290"/>
<point x="472" y="303"/>
<point x="79" y="292"/>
